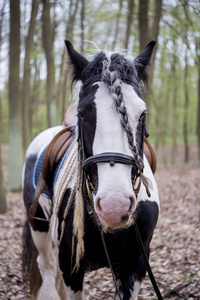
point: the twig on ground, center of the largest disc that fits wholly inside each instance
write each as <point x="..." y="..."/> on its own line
<point x="176" y="289"/>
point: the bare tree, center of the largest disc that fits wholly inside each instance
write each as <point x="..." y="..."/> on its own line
<point x="186" y="106"/>
<point x="62" y="85"/>
<point x="143" y="23"/>
<point x="3" y="207"/>
<point x="15" y="105"/>
<point x="26" y="78"/>
<point x="82" y="25"/>
<point x="129" y="22"/>
<point x="117" y="24"/>
<point x="48" y="39"/>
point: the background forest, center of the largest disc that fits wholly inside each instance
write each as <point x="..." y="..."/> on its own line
<point x="34" y="85"/>
<point x="35" y="93"/>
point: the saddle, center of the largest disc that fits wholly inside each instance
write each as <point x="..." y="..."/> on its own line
<point x="150" y="154"/>
<point x="55" y="152"/>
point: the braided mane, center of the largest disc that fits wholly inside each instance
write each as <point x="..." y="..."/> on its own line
<point x="114" y="70"/>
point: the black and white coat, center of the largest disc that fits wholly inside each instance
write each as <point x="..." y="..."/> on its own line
<point x="115" y="205"/>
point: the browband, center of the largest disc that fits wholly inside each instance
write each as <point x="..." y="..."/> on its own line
<point x="110" y="157"/>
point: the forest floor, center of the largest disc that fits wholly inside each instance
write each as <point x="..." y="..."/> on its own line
<point x="175" y="247"/>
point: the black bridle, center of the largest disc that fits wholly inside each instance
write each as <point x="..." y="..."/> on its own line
<point x="110" y="157"/>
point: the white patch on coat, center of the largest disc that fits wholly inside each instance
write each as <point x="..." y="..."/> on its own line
<point x="48" y="265"/>
<point x="42" y="140"/>
<point x="136" y="289"/>
<point x="71" y="295"/>
<point x="134" y="293"/>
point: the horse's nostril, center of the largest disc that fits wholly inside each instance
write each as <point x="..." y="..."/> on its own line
<point x="124" y="218"/>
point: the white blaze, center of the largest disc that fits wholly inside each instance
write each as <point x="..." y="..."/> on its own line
<point x="114" y="183"/>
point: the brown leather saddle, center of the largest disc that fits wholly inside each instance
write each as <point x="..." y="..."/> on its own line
<point x="55" y="152"/>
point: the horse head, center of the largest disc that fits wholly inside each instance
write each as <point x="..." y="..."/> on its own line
<point x="111" y="114"/>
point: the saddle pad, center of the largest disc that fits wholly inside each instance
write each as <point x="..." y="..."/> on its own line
<point x="38" y="168"/>
<point x="39" y="165"/>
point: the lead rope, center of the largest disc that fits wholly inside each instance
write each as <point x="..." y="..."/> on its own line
<point x="109" y="263"/>
<point x="147" y="265"/>
<point x="146" y="261"/>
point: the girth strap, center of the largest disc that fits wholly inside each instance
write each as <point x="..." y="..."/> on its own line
<point x="34" y="206"/>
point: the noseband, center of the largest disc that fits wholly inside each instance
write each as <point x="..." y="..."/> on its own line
<point x="108" y="157"/>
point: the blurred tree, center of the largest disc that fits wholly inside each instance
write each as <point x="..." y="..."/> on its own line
<point x="26" y="78"/>
<point x="185" y="121"/>
<point x="62" y="83"/>
<point x="15" y="106"/>
<point x="198" y="94"/>
<point x="116" y="32"/>
<point x="82" y="25"/>
<point x="174" y="68"/>
<point x="48" y="43"/>
<point x="144" y="35"/>
<point x="3" y="206"/>
<point x="129" y="22"/>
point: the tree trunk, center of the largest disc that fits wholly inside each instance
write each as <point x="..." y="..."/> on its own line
<point x="174" y="102"/>
<point x="26" y="78"/>
<point x="82" y="25"/>
<point x="155" y="27"/>
<point x="185" y="122"/>
<point x="198" y="92"/>
<point x="62" y="85"/>
<point x="129" y="22"/>
<point x="3" y="206"/>
<point x="117" y="24"/>
<point x="48" y="48"/>
<point x="15" y="105"/>
<point x="143" y="23"/>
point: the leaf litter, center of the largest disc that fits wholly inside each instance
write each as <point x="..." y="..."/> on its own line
<point x="175" y="247"/>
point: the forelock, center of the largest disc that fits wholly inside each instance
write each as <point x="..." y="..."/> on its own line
<point x="106" y="62"/>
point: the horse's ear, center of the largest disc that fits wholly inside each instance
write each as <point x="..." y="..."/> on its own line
<point x="76" y="61"/>
<point x="143" y="61"/>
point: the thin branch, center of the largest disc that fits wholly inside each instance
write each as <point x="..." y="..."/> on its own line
<point x="52" y="2"/>
<point x="176" y="289"/>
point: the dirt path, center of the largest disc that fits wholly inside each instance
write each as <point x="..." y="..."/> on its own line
<point x="175" y="248"/>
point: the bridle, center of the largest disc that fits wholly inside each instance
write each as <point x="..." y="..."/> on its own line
<point x="111" y="158"/>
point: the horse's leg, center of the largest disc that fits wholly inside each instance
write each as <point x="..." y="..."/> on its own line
<point x="73" y="280"/>
<point x="48" y="265"/>
<point x="129" y="289"/>
<point x="133" y="273"/>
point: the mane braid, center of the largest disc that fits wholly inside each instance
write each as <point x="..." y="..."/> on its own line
<point x="111" y="77"/>
<point x="114" y="85"/>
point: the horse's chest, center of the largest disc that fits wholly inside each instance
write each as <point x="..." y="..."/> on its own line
<point x="122" y="249"/>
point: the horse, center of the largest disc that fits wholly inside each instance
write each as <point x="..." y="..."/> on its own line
<point x="102" y="187"/>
